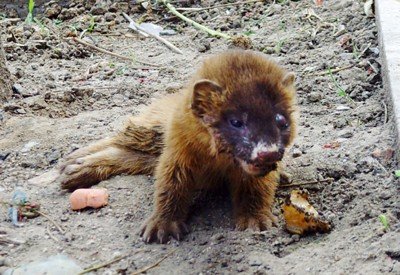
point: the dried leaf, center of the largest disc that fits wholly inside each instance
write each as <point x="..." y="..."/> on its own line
<point x="301" y="217"/>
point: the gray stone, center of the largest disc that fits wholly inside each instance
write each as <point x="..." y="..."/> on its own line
<point x="314" y="96"/>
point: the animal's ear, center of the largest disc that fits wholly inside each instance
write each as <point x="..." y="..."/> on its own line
<point x="207" y="100"/>
<point x="288" y="80"/>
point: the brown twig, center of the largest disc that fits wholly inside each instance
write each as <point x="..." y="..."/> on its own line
<point x="159" y="38"/>
<point x="77" y="40"/>
<point x="4" y="240"/>
<point x="133" y="25"/>
<point x="334" y="70"/>
<point x="51" y="235"/>
<point x="305" y="183"/>
<point x="96" y="267"/>
<point x="155" y="264"/>
<point x="62" y="231"/>
<point x="173" y="10"/>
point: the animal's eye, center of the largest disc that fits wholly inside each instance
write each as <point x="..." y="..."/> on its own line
<point x="281" y="121"/>
<point x="236" y="123"/>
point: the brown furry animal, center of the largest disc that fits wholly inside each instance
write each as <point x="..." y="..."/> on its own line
<point x="231" y="124"/>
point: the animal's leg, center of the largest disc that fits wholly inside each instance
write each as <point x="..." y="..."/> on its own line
<point x="134" y="150"/>
<point x="252" y="201"/>
<point x="172" y="201"/>
<point x="92" y="168"/>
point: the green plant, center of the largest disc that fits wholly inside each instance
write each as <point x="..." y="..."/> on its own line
<point x="278" y="46"/>
<point x="120" y="71"/>
<point x="43" y="29"/>
<point x="397" y="173"/>
<point x="356" y="50"/>
<point x="91" y="24"/>
<point x="384" y="220"/>
<point x="57" y="22"/>
<point x="341" y="91"/>
<point x="248" y="33"/>
<point x="282" y="25"/>
<point x="29" y="17"/>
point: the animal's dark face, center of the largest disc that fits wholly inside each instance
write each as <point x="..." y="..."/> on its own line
<point x="255" y="124"/>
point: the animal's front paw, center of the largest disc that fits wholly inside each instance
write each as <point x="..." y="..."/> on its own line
<point x="160" y="230"/>
<point x="79" y="172"/>
<point x="256" y="223"/>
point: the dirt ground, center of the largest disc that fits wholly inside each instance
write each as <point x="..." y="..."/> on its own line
<point x="67" y="95"/>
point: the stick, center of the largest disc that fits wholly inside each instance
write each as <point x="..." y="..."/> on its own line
<point x="193" y="23"/>
<point x="133" y="25"/>
<point x="51" y="235"/>
<point x="305" y="183"/>
<point x="52" y="221"/>
<point x="155" y="264"/>
<point x="77" y="40"/>
<point x="189" y="10"/>
<point x="386" y="111"/>
<point x="333" y="71"/>
<point x="87" y="270"/>
<point x="159" y="38"/>
<point x="4" y="240"/>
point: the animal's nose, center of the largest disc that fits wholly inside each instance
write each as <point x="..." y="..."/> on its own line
<point x="269" y="156"/>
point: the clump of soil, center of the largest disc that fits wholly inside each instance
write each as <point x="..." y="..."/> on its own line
<point x="67" y="95"/>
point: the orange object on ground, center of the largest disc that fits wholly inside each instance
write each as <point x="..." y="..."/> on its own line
<point x="82" y="198"/>
<point x="301" y="217"/>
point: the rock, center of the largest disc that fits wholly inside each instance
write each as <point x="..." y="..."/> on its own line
<point x="295" y="238"/>
<point x="339" y="122"/>
<point x="255" y="260"/>
<point x="18" y="89"/>
<point x="167" y="32"/>
<point x="204" y="46"/>
<point x="342" y="108"/>
<point x="314" y="96"/>
<point x="296" y="153"/>
<point x="4" y="262"/>
<point x="118" y="99"/>
<point x="241" y="268"/>
<point x="54" y="265"/>
<point x="37" y="104"/>
<point x="385" y="155"/>
<point x="53" y="156"/>
<point x="53" y="11"/>
<point x="109" y="16"/>
<point x="217" y="237"/>
<point x="20" y="111"/>
<point x="28" y="146"/>
<point x="236" y="24"/>
<point x="98" y="10"/>
<point x="68" y="13"/>
<point x="384" y="195"/>
<point x="27" y="34"/>
<point x="12" y="108"/>
<point x="345" y="133"/>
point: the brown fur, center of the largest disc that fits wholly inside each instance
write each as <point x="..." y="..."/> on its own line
<point x="174" y="138"/>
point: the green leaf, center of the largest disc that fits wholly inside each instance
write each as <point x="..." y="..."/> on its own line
<point x="397" y="173"/>
<point x="248" y="33"/>
<point x="384" y="221"/>
<point x="31" y="5"/>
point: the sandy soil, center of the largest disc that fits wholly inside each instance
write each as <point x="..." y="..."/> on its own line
<point x="67" y="95"/>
